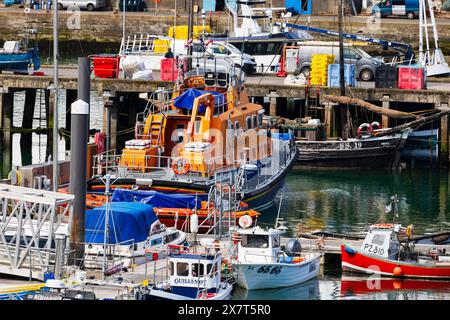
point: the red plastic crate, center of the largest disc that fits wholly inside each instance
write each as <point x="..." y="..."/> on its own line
<point x="411" y="78"/>
<point x="105" y="66"/>
<point x="169" y="70"/>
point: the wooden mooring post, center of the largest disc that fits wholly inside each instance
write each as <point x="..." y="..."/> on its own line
<point x="6" y="123"/>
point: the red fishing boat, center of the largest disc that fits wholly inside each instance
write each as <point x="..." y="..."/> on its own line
<point x="381" y="253"/>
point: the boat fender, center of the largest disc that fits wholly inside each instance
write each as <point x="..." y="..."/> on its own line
<point x="376" y="125"/>
<point x="397" y="271"/>
<point x="365" y="129"/>
<point x="350" y="250"/>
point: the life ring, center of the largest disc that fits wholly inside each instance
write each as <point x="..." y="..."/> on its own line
<point x="365" y="128"/>
<point x="376" y="125"/>
<point x="383" y="226"/>
<point x="177" y="164"/>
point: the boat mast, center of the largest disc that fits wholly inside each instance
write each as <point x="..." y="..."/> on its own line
<point x="341" y="62"/>
<point x="190" y="27"/>
<point x="55" y="104"/>
<point x="106" y="230"/>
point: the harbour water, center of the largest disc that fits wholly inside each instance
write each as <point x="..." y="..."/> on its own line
<point x="347" y="201"/>
<point x="342" y="201"/>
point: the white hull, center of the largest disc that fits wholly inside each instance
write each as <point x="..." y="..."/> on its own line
<point x="276" y="275"/>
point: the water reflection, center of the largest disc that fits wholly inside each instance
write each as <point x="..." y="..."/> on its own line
<point x="306" y="291"/>
<point x="349" y="201"/>
<point x="393" y="289"/>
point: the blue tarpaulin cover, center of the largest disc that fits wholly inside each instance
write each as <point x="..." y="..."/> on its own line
<point x="128" y="221"/>
<point x="186" y="99"/>
<point x="158" y="199"/>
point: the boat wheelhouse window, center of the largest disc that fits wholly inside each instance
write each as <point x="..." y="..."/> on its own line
<point x="275" y="241"/>
<point x="260" y="119"/>
<point x="255" y="121"/>
<point x="378" y="239"/>
<point x="171" y="268"/>
<point x="208" y="268"/>
<point x="249" y="122"/>
<point x="236" y="125"/>
<point x="273" y="48"/>
<point x="182" y="269"/>
<point x="259" y="49"/>
<point x="255" y="241"/>
<point x="196" y="271"/>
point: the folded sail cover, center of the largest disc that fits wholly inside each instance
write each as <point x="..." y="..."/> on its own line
<point x="186" y="99"/>
<point x="128" y="222"/>
<point x="158" y="199"/>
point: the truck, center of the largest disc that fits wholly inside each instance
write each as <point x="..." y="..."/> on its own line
<point x="408" y="8"/>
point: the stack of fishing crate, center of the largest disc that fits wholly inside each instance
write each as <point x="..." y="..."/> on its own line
<point x="319" y="68"/>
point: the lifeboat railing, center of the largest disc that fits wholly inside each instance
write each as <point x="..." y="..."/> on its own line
<point x="140" y="167"/>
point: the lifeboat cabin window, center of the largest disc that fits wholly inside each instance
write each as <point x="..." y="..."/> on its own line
<point x="255" y="121"/>
<point x="255" y="241"/>
<point x="196" y="271"/>
<point x="260" y="119"/>
<point x="249" y="123"/>
<point x="172" y="268"/>
<point x="182" y="269"/>
<point x="236" y="125"/>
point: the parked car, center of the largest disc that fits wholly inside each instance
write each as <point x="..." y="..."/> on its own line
<point x="365" y="64"/>
<point x="408" y="8"/>
<point x="219" y="52"/>
<point x="89" y="5"/>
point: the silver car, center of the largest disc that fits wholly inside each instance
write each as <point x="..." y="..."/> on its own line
<point x="89" y="5"/>
<point x="365" y="64"/>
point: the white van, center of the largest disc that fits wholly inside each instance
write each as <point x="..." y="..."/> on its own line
<point x="217" y="53"/>
<point x="214" y="56"/>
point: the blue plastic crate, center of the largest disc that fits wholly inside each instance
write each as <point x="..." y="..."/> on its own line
<point x="334" y="75"/>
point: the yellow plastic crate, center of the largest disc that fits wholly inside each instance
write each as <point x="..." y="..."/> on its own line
<point x="181" y="32"/>
<point x="161" y="46"/>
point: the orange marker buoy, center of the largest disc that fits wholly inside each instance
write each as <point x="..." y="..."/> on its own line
<point x="397" y="284"/>
<point x="397" y="271"/>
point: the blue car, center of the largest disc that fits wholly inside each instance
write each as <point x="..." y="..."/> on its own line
<point x="408" y="8"/>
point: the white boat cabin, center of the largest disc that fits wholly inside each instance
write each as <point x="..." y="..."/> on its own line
<point x="382" y="240"/>
<point x="192" y="273"/>
<point x="259" y="246"/>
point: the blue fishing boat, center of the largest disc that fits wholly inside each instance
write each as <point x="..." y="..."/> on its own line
<point x="18" y="56"/>
<point x="193" y="276"/>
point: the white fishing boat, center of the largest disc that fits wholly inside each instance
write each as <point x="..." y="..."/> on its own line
<point x="262" y="263"/>
<point x="193" y="276"/>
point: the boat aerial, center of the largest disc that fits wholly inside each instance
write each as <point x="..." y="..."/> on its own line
<point x="193" y="276"/>
<point x="381" y="253"/>
<point x="261" y="263"/>
<point x="205" y="130"/>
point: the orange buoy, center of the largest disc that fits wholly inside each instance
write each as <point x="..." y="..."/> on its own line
<point x="397" y="271"/>
<point x="397" y="284"/>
